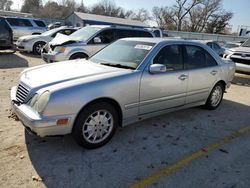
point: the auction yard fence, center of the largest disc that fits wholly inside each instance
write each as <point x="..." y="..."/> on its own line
<point x="205" y="36"/>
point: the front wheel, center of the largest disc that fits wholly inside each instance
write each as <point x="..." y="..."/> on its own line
<point x="215" y="97"/>
<point x="95" y="125"/>
<point x="38" y="46"/>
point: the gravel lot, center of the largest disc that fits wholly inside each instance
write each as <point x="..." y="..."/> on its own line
<point x="135" y="152"/>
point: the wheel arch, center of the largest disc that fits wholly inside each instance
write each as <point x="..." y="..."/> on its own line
<point x="221" y="82"/>
<point x="80" y="53"/>
<point x="111" y="101"/>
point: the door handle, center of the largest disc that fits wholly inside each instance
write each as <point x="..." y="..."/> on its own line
<point x="183" y="77"/>
<point x="214" y="72"/>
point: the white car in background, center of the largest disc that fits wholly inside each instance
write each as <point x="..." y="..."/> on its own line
<point x="35" y="43"/>
<point x="240" y="56"/>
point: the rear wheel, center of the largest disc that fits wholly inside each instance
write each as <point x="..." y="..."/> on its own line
<point x="78" y="56"/>
<point x="38" y="46"/>
<point x="215" y="97"/>
<point x="95" y="125"/>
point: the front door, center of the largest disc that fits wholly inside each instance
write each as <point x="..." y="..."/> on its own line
<point x="105" y="37"/>
<point x="161" y="91"/>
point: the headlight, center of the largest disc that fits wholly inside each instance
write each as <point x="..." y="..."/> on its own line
<point x="61" y="49"/>
<point x="39" y="102"/>
<point x="34" y="100"/>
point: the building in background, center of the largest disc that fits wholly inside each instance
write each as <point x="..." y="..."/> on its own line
<point x="78" y="19"/>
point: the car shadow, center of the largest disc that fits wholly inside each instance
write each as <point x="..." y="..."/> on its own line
<point x="12" y="61"/>
<point x="135" y="151"/>
<point x="241" y="79"/>
<point x="29" y="54"/>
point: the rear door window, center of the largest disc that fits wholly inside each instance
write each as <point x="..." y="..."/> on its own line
<point x="143" y="34"/>
<point x="196" y="57"/>
<point x="24" y="23"/>
<point x="39" y="23"/>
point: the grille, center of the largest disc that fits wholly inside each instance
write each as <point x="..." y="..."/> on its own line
<point x="243" y="61"/>
<point x="22" y="93"/>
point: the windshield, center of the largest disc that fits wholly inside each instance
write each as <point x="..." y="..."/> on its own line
<point x="84" y="33"/>
<point x="123" y="54"/>
<point x="50" y="32"/>
<point x="247" y="43"/>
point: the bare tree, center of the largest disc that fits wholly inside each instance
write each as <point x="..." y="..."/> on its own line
<point x="219" y="22"/>
<point x="31" y="6"/>
<point x="181" y="9"/>
<point x="192" y="15"/>
<point x="5" y="4"/>
<point x="200" y="15"/>
<point x="141" y="15"/>
<point x="107" y="8"/>
<point x="164" y="18"/>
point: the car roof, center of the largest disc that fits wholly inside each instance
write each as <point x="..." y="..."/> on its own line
<point x="118" y="27"/>
<point x="152" y="40"/>
<point x="158" y="40"/>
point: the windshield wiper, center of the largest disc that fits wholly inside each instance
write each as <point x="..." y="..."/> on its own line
<point x="118" y="65"/>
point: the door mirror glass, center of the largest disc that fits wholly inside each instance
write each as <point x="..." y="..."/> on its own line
<point x="97" y="40"/>
<point x="157" y="68"/>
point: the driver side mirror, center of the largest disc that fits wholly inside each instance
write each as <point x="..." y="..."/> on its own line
<point x="97" y="40"/>
<point x="157" y="68"/>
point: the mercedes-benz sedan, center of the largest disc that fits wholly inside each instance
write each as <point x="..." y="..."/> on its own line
<point x="129" y="80"/>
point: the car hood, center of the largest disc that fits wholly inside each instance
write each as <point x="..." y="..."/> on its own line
<point x="240" y="49"/>
<point x="46" y="75"/>
<point x="61" y="39"/>
<point x="30" y="37"/>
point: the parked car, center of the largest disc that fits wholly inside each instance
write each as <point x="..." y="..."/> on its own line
<point x="129" y="80"/>
<point x="215" y="46"/>
<point x="54" y="25"/>
<point x="241" y="56"/>
<point x="87" y="41"/>
<point x="35" y="43"/>
<point x="229" y="45"/>
<point x="26" y="26"/>
<point x="6" y="35"/>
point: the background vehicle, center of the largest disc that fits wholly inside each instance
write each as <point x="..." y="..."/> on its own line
<point x="35" y="43"/>
<point x="129" y="80"/>
<point x="26" y="26"/>
<point x="229" y="45"/>
<point x="87" y="41"/>
<point x="214" y="46"/>
<point x="6" y="35"/>
<point x="241" y="56"/>
<point x="54" y="25"/>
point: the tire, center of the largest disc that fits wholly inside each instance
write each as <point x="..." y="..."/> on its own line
<point x="89" y="127"/>
<point x="78" y="56"/>
<point x="215" y="97"/>
<point x="37" y="48"/>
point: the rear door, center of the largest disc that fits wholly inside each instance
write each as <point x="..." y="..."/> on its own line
<point x="203" y="73"/>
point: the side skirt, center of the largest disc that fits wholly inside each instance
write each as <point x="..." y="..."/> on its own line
<point x="141" y="117"/>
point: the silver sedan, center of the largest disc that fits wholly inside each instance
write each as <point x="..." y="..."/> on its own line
<point x="130" y="80"/>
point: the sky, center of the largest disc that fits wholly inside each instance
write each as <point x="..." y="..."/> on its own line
<point x="239" y="8"/>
